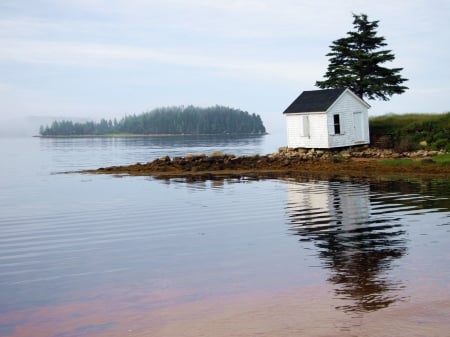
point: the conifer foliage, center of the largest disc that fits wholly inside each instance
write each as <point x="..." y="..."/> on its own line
<point x="169" y="120"/>
<point x="356" y="63"/>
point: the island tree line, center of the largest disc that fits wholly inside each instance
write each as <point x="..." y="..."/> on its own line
<point x="167" y="120"/>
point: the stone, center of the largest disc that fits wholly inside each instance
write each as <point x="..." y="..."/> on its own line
<point x="426" y="160"/>
<point x="216" y="154"/>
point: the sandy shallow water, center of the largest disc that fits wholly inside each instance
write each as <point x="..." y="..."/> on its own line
<point x="307" y="311"/>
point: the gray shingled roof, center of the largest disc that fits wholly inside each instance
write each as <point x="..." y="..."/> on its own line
<point x="314" y="100"/>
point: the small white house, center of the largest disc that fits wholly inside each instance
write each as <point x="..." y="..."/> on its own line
<point x="328" y="118"/>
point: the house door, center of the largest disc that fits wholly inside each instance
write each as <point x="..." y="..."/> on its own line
<point x="359" y="129"/>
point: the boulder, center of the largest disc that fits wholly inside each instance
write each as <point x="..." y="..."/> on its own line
<point x="426" y="160"/>
<point x="216" y="154"/>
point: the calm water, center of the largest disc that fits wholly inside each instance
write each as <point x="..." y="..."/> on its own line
<point x="88" y="255"/>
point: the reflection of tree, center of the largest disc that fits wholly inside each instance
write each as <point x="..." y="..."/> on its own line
<point x="357" y="239"/>
<point x="420" y="193"/>
<point x="359" y="275"/>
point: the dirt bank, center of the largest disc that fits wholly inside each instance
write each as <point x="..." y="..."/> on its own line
<point x="360" y="162"/>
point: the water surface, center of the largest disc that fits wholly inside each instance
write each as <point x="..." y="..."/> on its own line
<point x="88" y="255"/>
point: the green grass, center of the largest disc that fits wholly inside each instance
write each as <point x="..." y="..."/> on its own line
<point x="406" y="132"/>
<point x="395" y="121"/>
<point x="401" y="162"/>
<point x="441" y="159"/>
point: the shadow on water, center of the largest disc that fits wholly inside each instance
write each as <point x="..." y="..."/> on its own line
<point x="359" y="230"/>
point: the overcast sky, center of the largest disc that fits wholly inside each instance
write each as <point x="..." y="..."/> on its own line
<point x="108" y="58"/>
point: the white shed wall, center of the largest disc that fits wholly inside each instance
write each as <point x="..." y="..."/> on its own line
<point x="318" y="131"/>
<point x="346" y="107"/>
<point x="294" y="126"/>
<point x="317" y="137"/>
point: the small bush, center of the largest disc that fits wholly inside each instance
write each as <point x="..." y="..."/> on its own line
<point x="406" y="144"/>
<point x="440" y="144"/>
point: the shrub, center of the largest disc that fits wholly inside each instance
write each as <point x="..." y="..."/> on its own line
<point x="406" y="144"/>
<point x="440" y="144"/>
<point x="407" y="131"/>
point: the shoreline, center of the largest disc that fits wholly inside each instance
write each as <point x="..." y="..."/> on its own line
<point x="352" y="163"/>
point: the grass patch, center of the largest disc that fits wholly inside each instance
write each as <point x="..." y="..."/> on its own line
<point x="400" y="162"/>
<point x="441" y="159"/>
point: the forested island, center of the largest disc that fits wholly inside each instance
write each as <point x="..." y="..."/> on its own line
<point x="179" y="120"/>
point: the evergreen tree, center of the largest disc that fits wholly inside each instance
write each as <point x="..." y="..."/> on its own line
<point x="169" y="120"/>
<point x="355" y="63"/>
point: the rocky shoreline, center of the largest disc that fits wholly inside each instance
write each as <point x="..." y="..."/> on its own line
<point x="362" y="161"/>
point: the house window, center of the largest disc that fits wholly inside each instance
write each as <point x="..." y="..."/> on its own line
<point x="337" y="124"/>
<point x="305" y="126"/>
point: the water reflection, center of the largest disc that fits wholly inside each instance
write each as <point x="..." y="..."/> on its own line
<point x="92" y="152"/>
<point x="358" y="235"/>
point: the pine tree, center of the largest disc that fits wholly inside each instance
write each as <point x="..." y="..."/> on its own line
<point x="355" y="63"/>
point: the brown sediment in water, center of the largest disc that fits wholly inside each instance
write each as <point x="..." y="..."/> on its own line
<point x="286" y="163"/>
<point x="309" y="312"/>
<point x="304" y="311"/>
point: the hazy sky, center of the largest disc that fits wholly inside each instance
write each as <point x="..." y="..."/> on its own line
<point x="108" y="58"/>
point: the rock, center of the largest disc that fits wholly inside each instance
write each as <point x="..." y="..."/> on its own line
<point x="193" y="156"/>
<point x="216" y="154"/>
<point x="426" y="160"/>
<point x="336" y="158"/>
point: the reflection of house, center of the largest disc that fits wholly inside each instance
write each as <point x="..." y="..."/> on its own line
<point x="327" y="119"/>
<point x="328" y="205"/>
<point x="352" y="240"/>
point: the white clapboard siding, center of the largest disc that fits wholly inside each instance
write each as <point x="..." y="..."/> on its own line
<point x="317" y="129"/>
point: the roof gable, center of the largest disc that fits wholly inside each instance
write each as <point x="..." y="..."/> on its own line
<point x="314" y="100"/>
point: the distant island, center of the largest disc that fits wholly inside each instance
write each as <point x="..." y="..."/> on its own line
<point x="179" y="120"/>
